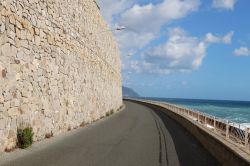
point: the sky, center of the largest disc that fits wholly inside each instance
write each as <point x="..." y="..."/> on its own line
<point x="198" y="49"/>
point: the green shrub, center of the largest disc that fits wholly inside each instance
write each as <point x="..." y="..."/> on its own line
<point x="107" y="113"/>
<point x="83" y="124"/>
<point x="24" y="137"/>
<point x="112" y="111"/>
<point x="69" y="128"/>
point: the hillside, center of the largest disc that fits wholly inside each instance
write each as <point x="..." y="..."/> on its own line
<point x="128" y="92"/>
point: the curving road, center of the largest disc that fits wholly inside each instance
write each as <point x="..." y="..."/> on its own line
<point x="136" y="136"/>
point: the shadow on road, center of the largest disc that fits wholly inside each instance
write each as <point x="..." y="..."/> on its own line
<point x="190" y="151"/>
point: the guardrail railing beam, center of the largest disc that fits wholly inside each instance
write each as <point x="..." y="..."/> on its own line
<point x="237" y="133"/>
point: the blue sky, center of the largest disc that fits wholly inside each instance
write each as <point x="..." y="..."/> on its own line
<point x="183" y="48"/>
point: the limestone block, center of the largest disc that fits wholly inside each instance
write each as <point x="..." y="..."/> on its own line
<point x="20" y="55"/>
<point x="11" y="34"/>
<point x="2" y="28"/>
<point x="24" y="43"/>
<point x="14" y="68"/>
<point x="11" y="143"/>
<point x="18" y="33"/>
<point x="13" y="111"/>
<point x="18" y="25"/>
<point x="13" y="125"/>
<point x="11" y="41"/>
<point x="11" y="27"/>
<point x="42" y="34"/>
<point x="37" y="32"/>
<point x="30" y="35"/>
<point x="38" y="23"/>
<point x="26" y="93"/>
<point x="37" y="40"/>
<point x="6" y="49"/>
<point x="2" y="123"/>
<point x="15" y="103"/>
<point x="12" y="19"/>
<point x="1" y="99"/>
<point x="50" y="39"/>
<point x="3" y="39"/>
<point x="33" y="21"/>
<point x="7" y="96"/>
<point x="12" y="135"/>
<point x="6" y="105"/>
<point x="17" y="41"/>
<point x="24" y="108"/>
<point x="23" y="35"/>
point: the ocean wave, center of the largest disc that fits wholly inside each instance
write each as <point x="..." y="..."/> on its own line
<point x="237" y="112"/>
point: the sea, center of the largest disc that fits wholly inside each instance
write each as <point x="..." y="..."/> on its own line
<point x="234" y="111"/>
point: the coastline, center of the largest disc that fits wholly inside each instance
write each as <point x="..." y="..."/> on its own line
<point x="235" y="111"/>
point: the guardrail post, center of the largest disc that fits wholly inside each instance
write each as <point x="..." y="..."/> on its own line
<point x="227" y="130"/>
<point x="198" y="118"/>
<point x="246" y="137"/>
<point x="214" y="123"/>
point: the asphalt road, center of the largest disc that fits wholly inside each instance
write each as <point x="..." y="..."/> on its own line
<point x="136" y="136"/>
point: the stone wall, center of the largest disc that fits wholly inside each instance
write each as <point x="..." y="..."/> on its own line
<point x="59" y="67"/>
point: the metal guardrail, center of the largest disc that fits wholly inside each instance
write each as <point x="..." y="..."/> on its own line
<point x="233" y="132"/>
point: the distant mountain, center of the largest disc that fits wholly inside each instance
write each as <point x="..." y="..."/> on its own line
<point x="128" y="92"/>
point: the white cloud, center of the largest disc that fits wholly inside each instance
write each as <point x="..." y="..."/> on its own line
<point x="143" y="22"/>
<point x="242" y="51"/>
<point x="227" y="39"/>
<point x="180" y="53"/>
<point x="210" y="38"/>
<point x="224" y="4"/>
<point x="130" y="41"/>
<point x="111" y="8"/>
<point x="150" y="17"/>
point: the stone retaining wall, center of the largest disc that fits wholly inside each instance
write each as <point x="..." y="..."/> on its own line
<point x="59" y="67"/>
